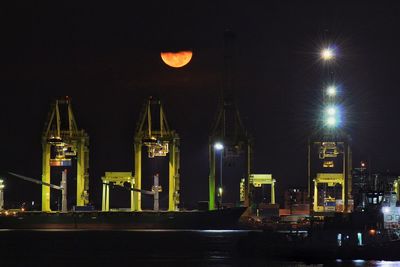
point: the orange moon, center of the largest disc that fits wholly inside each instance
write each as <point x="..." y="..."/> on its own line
<point x="176" y="59"/>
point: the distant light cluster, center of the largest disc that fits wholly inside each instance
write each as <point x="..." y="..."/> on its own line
<point x="331" y="116"/>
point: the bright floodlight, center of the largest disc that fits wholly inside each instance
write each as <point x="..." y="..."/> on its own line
<point x="218" y="146"/>
<point x="220" y="191"/>
<point x="331" y="111"/>
<point x="331" y="121"/>
<point x="327" y="54"/>
<point x="331" y="90"/>
<point x="385" y="209"/>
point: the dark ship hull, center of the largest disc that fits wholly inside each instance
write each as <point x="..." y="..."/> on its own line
<point x="215" y="219"/>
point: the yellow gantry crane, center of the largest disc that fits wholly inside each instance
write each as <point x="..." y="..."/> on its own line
<point x="62" y="141"/>
<point x="329" y="151"/>
<point x="329" y="170"/>
<point x="153" y="132"/>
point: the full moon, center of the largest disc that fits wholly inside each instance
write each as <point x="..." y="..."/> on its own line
<point x="176" y="59"/>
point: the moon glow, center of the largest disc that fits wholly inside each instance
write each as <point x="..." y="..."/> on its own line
<point x="176" y="59"/>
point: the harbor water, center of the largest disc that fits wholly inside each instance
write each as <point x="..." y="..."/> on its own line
<point x="141" y="248"/>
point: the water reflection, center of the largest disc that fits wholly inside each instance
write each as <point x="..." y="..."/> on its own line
<point x="147" y="248"/>
<point x="384" y="263"/>
<point x="364" y="263"/>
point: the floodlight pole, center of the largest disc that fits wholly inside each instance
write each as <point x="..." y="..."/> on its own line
<point x="1" y="194"/>
<point x="220" y="178"/>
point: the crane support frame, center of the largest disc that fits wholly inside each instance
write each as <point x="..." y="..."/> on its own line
<point x="160" y="141"/>
<point x="257" y="180"/>
<point x="118" y="178"/>
<point x="228" y="128"/>
<point x="65" y="137"/>
<point x="330" y="163"/>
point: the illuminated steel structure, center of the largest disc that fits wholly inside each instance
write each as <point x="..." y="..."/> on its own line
<point x="258" y="180"/>
<point x="62" y="141"/>
<point x="1" y="194"/>
<point x="396" y="187"/>
<point x="154" y="133"/>
<point x="330" y="171"/>
<point x="117" y="179"/>
<point x="236" y="143"/>
<point x="329" y="155"/>
<point x="62" y="187"/>
<point x="228" y="130"/>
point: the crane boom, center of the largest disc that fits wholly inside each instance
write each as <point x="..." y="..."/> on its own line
<point x="63" y="186"/>
<point x="146" y="192"/>
<point x="36" y="181"/>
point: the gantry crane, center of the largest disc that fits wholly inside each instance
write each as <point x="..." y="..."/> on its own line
<point x="62" y="141"/>
<point x="228" y="130"/>
<point x="329" y="149"/>
<point x="153" y="132"/>
<point x="120" y="179"/>
<point x="235" y="142"/>
<point x="329" y="170"/>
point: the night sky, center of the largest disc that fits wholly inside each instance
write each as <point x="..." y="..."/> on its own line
<point x="107" y="59"/>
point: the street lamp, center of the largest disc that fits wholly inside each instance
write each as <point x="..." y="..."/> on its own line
<point x="331" y="90"/>
<point x="220" y="191"/>
<point x="332" y="116"/>
<point x="220" y="147"/>
<point x="331" y="122"/>
<point x="331" y="111"/>
<point x="327" y="54"/>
